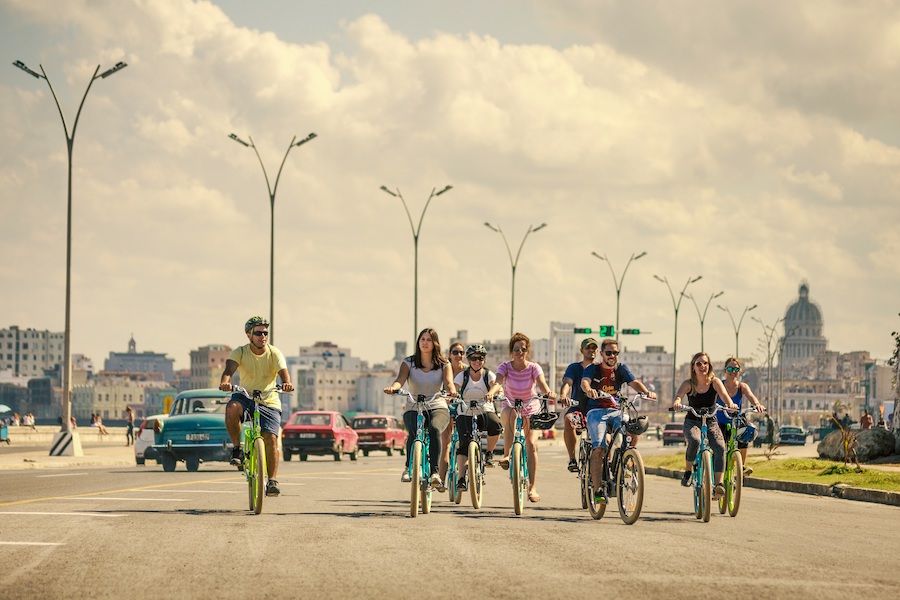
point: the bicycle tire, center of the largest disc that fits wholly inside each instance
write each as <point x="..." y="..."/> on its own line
<point x="706" y="476"/>
<point x="733" y="492"/>
<point x="415" y="477"/>
<point x="726" y="481"/>
<point x="453" y="475"/>
<point x="596" y="509"/>
<point x="259" y="474"/>
<point x="426" y="496"/>
<point x="516" y="475"/>
<point x="582" y="472"/>
<point x="475" y="474"/>
<point x="630" y="486"/>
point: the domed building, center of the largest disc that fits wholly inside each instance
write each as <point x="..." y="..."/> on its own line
<point x="803" y="341"/>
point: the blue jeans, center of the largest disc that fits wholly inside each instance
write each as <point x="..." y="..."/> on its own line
<point x="599" y="420"/>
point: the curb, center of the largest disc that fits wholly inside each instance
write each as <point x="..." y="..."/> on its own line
<point x="842" y="491"/>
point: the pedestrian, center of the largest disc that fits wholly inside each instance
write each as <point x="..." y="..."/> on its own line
<point x="129" y="424"/>
<point x="865" y="421"/>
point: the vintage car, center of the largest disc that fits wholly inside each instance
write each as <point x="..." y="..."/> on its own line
<point x="673" y="433"/>
<point x="194" y="430"/>
<point x="321" y="433"/>
<point x="791" y="436"/>
<point x="144" y="437"/>
<point x="380" y="432"/>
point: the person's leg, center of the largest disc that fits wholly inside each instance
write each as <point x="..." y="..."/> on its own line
<point x="597" y="424"/>
<point x="269" y="424"/>
<point x="508" y="418"/>
<point x="531" y="444"/>
<point x="409" y="421"/>
<point x="446" y="434"/>
<point x="569" y="434"/>
<point x="464" y="431"/>
<point x="437" y="420"/>
<point x="717" y="443"/>
<point x="692" y="441"/>
<point x="234" y="416"/>
<point x="494" y="428"/>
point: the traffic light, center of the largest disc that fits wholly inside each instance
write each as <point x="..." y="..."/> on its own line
<point x="582" y="330"/>
<point x="607" y="330"/>
<point x="631" y="331"/>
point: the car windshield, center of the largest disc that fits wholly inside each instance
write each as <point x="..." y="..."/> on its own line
<point x="791" y="430"/>
<point x="203" y="405"/>
<point x="370" y="424"/>
<point x="310" y="419"/>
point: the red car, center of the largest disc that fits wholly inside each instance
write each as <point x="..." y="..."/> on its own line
<point x="380" y="432"/>
<point x="320" y="433"/>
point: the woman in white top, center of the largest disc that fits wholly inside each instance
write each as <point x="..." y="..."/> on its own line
<point x="427" y="372"/>
<point x="457" y="366"/>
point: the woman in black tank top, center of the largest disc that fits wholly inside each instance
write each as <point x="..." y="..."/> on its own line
<point x="701" y="391"/>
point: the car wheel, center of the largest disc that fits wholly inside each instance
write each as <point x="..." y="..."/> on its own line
<point x="366" y="452"/>
<point x="390" y="451"/>
<point x="168" y="462"/>
<point x="339" y="454"/>
<point x="303" y="458"/>
<point x="192" y="462"/>
<point x="353" y="454"/>
<point x="139" y="460"/>
<point x="288" y="455"/>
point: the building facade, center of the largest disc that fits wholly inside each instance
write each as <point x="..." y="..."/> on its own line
<point x="30" y="352"/>
<point x="207" y="365"/>
<point x="143" y="362"/>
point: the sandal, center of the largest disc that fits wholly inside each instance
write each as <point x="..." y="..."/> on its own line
<point x="534" y="496"/>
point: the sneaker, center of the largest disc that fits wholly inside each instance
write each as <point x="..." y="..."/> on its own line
<point x="748" y="471"/>
<point x="405" y="478"/>
<point x="237" y="456"/>
<point x="573" y="466"/>
<point x="462" y="485"/>
<point x="719" y="492"/>
<point x="686" y="479"/>
<point x="272" y="488"/>
<point x="437" y="483"/>
<point x="488" y="460"/>
<point x="600" y="495"/>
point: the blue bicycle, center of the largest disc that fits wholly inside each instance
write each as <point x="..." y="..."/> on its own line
<point x="518" y="456"/>
<point x="452" y="471"/>
<point x="702" y="477"/>
<point x="419" y="465"/>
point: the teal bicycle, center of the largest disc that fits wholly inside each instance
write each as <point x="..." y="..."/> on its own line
<point x="739" y="431"/>
<point x="452" y="469"/>
<point x="702" y="477"/>
<point x="518" y="456"/>
<point x="419" y="463"/>
<point x="254" y="465"/>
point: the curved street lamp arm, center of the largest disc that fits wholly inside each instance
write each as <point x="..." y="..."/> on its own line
<point x="265" y="173"/>
<point x="283" y="160"/>
<point x="70" y="138"/>
<point x="422" y="216"/>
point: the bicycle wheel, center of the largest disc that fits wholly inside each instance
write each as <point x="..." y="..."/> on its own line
<point x="258" y="477"/>
<point x="453" y="474"/>
<point x="630" y="486"/>
<point x="517" y="476"/>
<point x="596" y="509"/>
<point x="582" y="473"/>
<point x="426" y="495"/>
<point x="706" y="476"/>
<point x="726" y="482"/>
<point x="415" y="477"/>
<point x="735" y="485"/>
<point x="475" y="474"/>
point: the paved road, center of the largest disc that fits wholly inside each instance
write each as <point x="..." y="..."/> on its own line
<point x="343" y="530"/>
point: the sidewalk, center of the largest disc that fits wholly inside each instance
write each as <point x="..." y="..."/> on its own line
<point x="29" y="449"/>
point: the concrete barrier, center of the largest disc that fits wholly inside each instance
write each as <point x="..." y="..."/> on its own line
<point x="43" y="435"/>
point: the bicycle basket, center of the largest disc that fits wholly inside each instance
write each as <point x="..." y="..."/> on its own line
<point x="746" y="434"/>
<point x="543" y="420"/>
<point x="637" y="426"/>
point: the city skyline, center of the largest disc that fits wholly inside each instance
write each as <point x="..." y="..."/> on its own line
<point x="742" y="143"/>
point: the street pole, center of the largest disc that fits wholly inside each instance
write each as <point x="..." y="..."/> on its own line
<point x="514" y="264"/>
<point x="70" y="144"/>
<point x="272" y="191"/>
<point x="619" y="283"/>
<point x="415" y="233"/>
<point x="769" y="333"/>
<point x="703" y="316"/>
<point x="676" y="306"/>
<point x="737" y="327"/>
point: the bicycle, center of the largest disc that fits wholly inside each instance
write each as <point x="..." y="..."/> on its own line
<point x="584" y="454"/>
<point x="518" y="456"/>
<point x="477" y="451"/>
<point x="741" y="431"/>
<point x="622" y="466"/>
<point x="452" y="474"/>
<point x="254" y="464"/>
<point x="702" y="476"/>
<point x="419" y="463"/>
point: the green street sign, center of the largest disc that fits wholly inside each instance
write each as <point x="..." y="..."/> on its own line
<point x="582" y="330"/>
<point x="607" y="330"/>
<point x="631" y="331"/>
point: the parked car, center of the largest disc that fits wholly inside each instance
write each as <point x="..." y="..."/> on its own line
<point x="380" y="432"/>
<point x="194" y="431"/>
<point x="144" y="437"/>
<point x="320" y="433"/>
<point x="791" y="436"/>
<point x="673" y="433"/>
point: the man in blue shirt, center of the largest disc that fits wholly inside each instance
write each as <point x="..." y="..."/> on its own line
<point x="574" y="397"/>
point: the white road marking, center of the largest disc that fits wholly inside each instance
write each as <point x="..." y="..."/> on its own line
<point x="191" y="491"/>
<point x="58" y="514"/>
<point x="63" y="475"/>
<point x="128" y="499"/>
<point x="31" y="544"/>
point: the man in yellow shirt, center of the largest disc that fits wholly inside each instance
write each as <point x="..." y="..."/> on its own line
<point x="258" y="364"/>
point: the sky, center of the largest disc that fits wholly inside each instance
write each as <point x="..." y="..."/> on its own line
<point x="755" y="144"/>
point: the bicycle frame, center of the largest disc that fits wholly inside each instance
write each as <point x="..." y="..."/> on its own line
<point x="475" y="463"/>
<point x="734" y="466"/>
<point x="419" y="467"/>
<point x="253" y="445"/>
<point x="702" y="476"/>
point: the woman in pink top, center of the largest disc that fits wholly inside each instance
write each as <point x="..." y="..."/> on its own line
<point x="519" y="377"/>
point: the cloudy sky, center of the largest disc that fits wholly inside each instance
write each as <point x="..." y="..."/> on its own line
<point x="754" y="143"/>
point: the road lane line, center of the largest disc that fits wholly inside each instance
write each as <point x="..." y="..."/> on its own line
<point x="131" y="499"/>
<point x="31" y="544"/>
<point x="60" y="514"/>
<point x="63" y="475"/>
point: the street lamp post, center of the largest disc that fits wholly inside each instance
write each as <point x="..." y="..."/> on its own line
<point x="769" y="333"/>
<point x="676" y="306"/>
<point x="70" y="144"/>
<point x="272" y="191"/>
<point x="737" y="327"/>
<point x="415" y="233"/>
<point x="618" y="283"/>
<point x="514" y="264"/>
<point x="703" y="316"/>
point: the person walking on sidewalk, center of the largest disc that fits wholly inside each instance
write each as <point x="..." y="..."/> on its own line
<point x="129" y="424"/>
<point x="257" y="363"/>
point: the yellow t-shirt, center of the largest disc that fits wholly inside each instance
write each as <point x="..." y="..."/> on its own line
<point x="259" y="372"/>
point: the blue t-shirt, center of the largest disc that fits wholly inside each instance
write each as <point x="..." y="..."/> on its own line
<point x="723" y="417"/>
<point x="606" y="381"/>
<point x="575" y="372"/>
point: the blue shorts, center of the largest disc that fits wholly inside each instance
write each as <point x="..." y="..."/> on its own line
<point x="269" y="418"/>
<point x="598" y="421"/>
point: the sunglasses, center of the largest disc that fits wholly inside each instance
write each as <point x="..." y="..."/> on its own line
<point x="733" y="369"/>
<point x="480" y="358"/>
<point x="520" y="350"/>
<point x="610" y="352"/>
<point x="260" y="333"/>
<point x="700" y="363"/>
<point x="457" y="352"/>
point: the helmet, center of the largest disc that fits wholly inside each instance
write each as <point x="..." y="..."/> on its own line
<point x="253" y="322"/>
<point x="637" y="426"/>
<point x="543" y="420"/>
<point x="475" y="349"/>
<point x="746" y="434"/>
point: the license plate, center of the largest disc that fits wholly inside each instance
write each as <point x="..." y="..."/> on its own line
<point x="197" y="437"/>
<point x="306" y="435"/>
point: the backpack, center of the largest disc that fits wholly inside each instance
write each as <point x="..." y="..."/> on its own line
<point x="486" y="377"/>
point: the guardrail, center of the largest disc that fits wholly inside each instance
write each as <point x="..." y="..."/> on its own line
<point x="43" y="434"/>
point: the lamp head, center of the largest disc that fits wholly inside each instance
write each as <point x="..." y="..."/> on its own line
<point x="238" y="140"/>
<point x="119" y="66"/>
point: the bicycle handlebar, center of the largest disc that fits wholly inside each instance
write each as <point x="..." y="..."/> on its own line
<point x="243" y="391"/>
<point x="704" y="412"/>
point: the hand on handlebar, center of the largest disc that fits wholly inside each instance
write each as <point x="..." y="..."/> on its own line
<point x="565" y="401"/>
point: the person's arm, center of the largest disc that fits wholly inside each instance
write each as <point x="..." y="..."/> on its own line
<point x="565" y="390"/>
<point x="723" y="393"/>
<point x="225" y="383"/>
<point x="542" y="385"/>
<point x="754" y="401"/>
<point x="587" y="389"/>
<point x="402" y="376"/>
<point x="448" y="380"/>
<point x="286" y="384"/>
<point x="683" y="389"/>
<point x="640" y="388"/>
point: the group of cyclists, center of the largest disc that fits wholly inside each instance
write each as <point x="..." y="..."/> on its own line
<point x="588" y="391"/>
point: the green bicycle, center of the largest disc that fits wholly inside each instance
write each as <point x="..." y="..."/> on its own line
<point x="739" y="431"/>
<point x="254" y="465"/>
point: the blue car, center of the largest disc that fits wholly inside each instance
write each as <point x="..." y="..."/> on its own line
<point x="791" y="436"/>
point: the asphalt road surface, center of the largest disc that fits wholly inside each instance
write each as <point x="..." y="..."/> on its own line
<point x="342" y="530"/>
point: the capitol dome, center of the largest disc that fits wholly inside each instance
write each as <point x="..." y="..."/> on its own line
<point x="803" y="311"/>
<point x="803" y="331"/>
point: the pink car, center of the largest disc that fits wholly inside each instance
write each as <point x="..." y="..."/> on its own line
<point x="380" y="432"/>
<point x="320" y="433"/>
